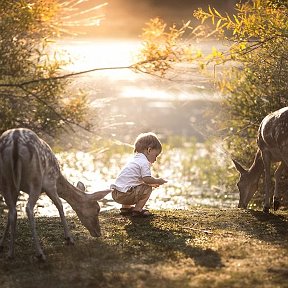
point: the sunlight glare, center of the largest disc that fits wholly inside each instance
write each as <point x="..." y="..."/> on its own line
<point x="161" y="94"/>
<point x="100" y="53"/>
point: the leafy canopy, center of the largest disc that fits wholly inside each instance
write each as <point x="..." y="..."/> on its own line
<point x="25" y="32"/>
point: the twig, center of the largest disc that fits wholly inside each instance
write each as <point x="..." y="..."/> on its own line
<point x="199" y="230"/>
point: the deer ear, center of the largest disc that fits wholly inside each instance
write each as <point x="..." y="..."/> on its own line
<point x="101" y="194"/>
<point x="81" y="186"/>
<point x="239" y="167"/>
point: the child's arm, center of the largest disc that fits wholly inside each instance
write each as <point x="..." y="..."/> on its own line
<point x="154" y="181"/>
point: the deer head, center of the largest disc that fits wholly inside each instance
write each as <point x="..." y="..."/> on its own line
<point x="84" y="204"/>
<point x="247" y="183"/>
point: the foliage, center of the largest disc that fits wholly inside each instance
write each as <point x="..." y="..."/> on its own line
<point x="25" y="32"/>
<point x="162" y="47"/>
<point x="257" y="84"/>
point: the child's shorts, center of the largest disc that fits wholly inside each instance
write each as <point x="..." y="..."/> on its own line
<point x="133" y="195"/>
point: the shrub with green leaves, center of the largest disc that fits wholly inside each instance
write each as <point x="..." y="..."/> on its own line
<point x="26" y="28"/>
<point x="256" y="84"/>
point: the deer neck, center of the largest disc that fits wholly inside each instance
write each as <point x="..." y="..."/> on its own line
<point x="70" y="193"/>
<point x="257" y="167"/>
<point x="75" y="197"/>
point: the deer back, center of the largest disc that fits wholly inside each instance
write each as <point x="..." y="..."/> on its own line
<point x="273" y="134"/>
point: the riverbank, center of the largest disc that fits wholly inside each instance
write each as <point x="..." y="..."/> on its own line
<point x="203" y="247"/>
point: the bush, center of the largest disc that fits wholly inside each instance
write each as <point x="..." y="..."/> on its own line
<point x="25" y="32"/>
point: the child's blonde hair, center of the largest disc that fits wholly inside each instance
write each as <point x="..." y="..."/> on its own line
<point x="145" y="141"/>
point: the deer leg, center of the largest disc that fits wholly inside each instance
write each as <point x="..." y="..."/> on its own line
<point x="267" y="164"/>
<point x="12" y="224"/>
<point x="4" y="236"/>
<point x="12" y="215"/>
<point x="11" y="221"/>
<point x="52" y="194"/>
<point x="278" y="174"/>
<point x="30" y="213"/>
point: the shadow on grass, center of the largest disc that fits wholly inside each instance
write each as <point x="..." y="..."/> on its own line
<point x="93" y="262"/>
<point x="268" y="227"/>
<point x="169" y="241"/>
<point x="84" y="264"/>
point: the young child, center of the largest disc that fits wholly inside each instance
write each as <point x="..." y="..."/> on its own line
<point x="133" y="185"/>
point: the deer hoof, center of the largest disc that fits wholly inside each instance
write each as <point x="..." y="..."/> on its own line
<point x="10" y="257"/>
<point x="41" y="257"/>
<point x="276" y="204"/>
<point x="266" y="209"/>
<point x="69" y="241"/>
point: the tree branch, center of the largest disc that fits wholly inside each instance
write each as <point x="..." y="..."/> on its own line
<point x="62" y="76"/>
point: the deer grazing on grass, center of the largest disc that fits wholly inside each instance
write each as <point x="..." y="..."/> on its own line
<point x="28" y="164"/>
<point x="272" y="141"/>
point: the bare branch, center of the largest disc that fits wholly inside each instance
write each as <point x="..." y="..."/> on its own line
<point x="62" y="76"/>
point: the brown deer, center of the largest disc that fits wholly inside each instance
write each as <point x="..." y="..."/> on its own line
<point x="273" y="147"/>
<point x="28" y="164"/>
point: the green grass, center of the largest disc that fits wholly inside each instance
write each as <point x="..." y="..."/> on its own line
<point x="203" y="247"/>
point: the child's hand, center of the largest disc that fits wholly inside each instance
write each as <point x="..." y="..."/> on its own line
<point x="154" y="182"/>
<point x="161" y="181"/>
<point x="154" y="185"/>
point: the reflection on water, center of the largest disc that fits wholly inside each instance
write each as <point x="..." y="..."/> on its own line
<point x="181" y="192"/>
<point x="122" y="97"/>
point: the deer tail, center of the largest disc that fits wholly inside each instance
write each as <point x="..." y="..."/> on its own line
<point x="16" y="165"/>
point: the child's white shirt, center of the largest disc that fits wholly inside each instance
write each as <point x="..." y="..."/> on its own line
<point x="133" y="172"/>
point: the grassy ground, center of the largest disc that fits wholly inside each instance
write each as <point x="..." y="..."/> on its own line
<point x="204" y="247"/>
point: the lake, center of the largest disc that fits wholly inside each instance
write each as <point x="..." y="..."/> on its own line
<point x="123" y="98"/>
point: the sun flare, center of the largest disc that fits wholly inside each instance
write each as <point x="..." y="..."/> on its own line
<point x="96" y="53"/>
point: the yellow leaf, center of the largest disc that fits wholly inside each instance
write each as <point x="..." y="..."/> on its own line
<point x="217" y="13"/>
<point x="212" y="15"/>
<point x="210" y="10"/>
<point x="218" y="23"/>
<point x="236" y="19"/>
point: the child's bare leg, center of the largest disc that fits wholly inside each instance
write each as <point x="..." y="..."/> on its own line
<point x="141" y="203"/>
